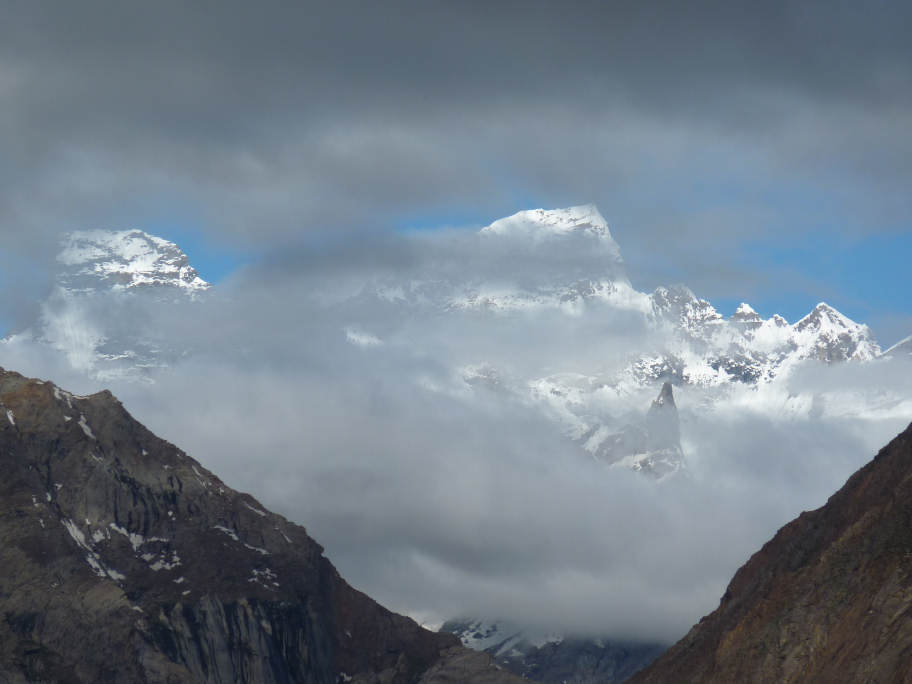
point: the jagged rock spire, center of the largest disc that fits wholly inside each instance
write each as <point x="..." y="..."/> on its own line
<point x="663" y="427"/>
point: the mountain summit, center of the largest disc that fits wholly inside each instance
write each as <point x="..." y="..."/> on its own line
<point x="98" y="314"/>
<point x="827" y="335"/>
<point x="124" y="259"/>
<point x="541" y="224"/>
<point x="537" y="259"/>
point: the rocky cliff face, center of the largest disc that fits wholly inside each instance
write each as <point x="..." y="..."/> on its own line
<point x="124" y="560"/>
<point x="828" y="599"/>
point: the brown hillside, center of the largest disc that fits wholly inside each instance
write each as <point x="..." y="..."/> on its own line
<point x="828" y="599"/>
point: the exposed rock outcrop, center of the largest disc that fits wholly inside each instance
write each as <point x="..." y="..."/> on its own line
<point x="124" y="560"/>
<point x="828" y="599"/>
<point x="651" y="446"/>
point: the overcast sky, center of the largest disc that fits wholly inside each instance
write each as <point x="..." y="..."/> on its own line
<point x="756" y="151"/>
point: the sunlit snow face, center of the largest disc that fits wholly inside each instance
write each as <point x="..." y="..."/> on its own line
<point x="124" y="259"/>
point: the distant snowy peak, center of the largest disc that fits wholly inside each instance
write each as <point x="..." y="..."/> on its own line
<point x="94" y="316"/>
<point x="705" y="349"/>
<point x="824" y="316"/>
<point x="827" y="335"/>
<point x="745" y="314"/>
<point x="496" y="637"/>
<point x="539" y="259"/>
<point x="123" y="260"/>
<point x="539" y="225"/>
<point x="551" y="657"/>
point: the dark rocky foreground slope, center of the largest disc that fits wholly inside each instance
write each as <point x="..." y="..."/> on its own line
<point x="828" y="599"/>
<point x="124" y="560"/>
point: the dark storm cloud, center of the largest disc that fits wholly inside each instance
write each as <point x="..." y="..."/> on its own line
<point x="263" y="121"/>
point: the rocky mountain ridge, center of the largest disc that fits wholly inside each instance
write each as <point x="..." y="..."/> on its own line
<point x="127" y="561"/>
<point x="571" y="264"/>
<point x="554" y="658"/>
<point x="828" y="599"/>
<point x="566" y="260"/>
<point x="111" y="281"/>
<point x="706" y="349"/>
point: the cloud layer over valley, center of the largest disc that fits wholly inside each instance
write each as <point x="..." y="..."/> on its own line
<point x="427" y="440"/>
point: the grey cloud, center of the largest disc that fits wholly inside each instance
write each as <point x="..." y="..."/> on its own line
<point x="272" y="128"/>
<point x="440" y="506"/>
<point x="441" y="498"/>
<point x="286" y="118"/>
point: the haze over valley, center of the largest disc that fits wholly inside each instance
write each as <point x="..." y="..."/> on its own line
<point x="469" y="433"/>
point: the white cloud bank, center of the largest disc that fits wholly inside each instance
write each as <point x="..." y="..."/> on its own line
<point x="438" y="484"/>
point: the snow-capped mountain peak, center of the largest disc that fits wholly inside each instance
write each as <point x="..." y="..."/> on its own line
<point x="537" y="259"/>
<point x="828" y="335"/>
<point x="541" y="224"/>
<point x="108" y="286"/>
<point x="825" y="316"/>
<point x="548" y="656"/>
<point x="120" y="260"/>
<point x="745" y="313"/>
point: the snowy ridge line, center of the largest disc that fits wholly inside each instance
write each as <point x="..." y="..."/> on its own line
<point x="904" y="345"/>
